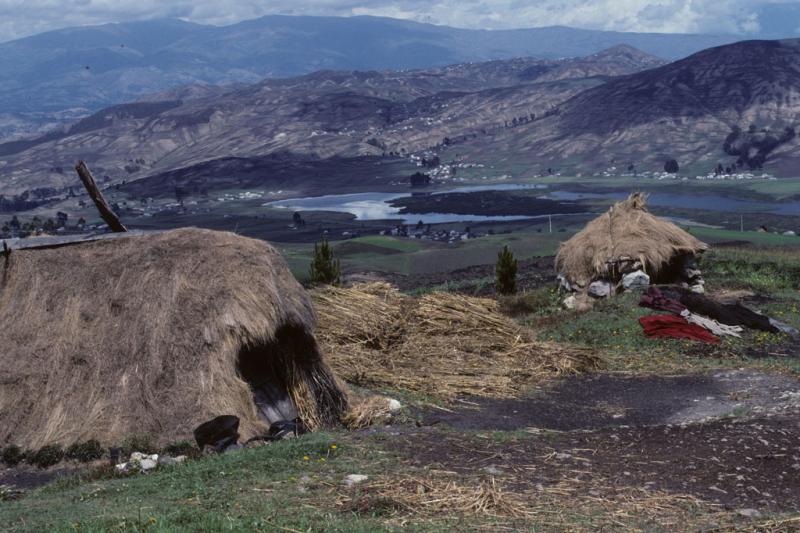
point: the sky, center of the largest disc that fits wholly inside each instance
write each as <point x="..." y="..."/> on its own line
<point x="769" y="18"/>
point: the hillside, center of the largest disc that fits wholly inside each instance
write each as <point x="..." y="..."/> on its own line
<point x="89" y="68"/>
<point x="737" y="105"/>
<point x="319" y="115"/>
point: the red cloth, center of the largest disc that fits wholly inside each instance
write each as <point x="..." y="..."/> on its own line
<point x="675" y="327"/>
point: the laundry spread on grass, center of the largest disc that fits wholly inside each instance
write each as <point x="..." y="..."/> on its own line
<point x="688" y="308"/>
<point x="676" y="327"/>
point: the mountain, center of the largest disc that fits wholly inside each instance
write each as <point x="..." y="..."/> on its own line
<point x="93" y="67"/>
<point x="738" y="105"/>
<point x="319" y="115"/>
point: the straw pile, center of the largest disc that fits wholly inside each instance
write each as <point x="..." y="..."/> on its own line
<point x="626" y="233"/>
<point x="441" y="344"/>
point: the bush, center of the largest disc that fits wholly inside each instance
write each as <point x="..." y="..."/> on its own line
<point x="47" y="456"/>
<point x="325" y="268"/>
<point x="542" y="302"/>
<point x="138" y="442"/>
<point x="183" y="447"/>
<point x="13" y="455"/>
<point x="671" y="166"/>
<point x="85" y="451"/>
<point x="506" y="272"/>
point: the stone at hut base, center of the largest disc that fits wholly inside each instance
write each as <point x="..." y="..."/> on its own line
<point x="600" y="289"/>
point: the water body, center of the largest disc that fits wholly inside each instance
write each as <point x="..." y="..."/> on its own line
<point x="375" y="205"/>
<point x="709" y="202"/>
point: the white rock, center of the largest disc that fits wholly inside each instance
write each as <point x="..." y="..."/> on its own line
<point x="137" y="456"/>
<point x="394" y="405"/>
<point x="569" y="302"/>
<point x="122" y="467"/>
<point x="599" y="289"/>
<point x="635" y="280"/>
<point x="354" y="479"/>
<point x="699" y="289"/>
<point x="147" y="464"/>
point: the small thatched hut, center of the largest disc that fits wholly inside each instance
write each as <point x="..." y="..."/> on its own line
<point x="625" y="239"/>
<point x="155" y="335"/>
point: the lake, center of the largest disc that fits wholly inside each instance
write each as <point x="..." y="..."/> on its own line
<point x="376" y="206"/>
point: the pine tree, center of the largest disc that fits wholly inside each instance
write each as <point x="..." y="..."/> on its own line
<point x="506" y="272"/>
<point x="325" y="268"/>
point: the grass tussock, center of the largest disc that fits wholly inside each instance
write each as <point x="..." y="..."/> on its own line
<point x="440" y="344"/>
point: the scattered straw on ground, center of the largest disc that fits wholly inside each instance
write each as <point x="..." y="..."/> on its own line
<point x="439" y="497"/>
<point x="440" y="344"/>
<point x="365" y="412"/>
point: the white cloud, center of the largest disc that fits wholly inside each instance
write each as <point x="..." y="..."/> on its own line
<point x="26" y="17"/>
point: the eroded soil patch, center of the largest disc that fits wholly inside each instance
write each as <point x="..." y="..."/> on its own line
<point x="600" y="401"/>
<point x="730" y="438"/>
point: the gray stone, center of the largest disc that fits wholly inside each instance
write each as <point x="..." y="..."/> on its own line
<point x="600" y="289"/>
<point x="749" y="513"/>
<point x="635" y="280"/>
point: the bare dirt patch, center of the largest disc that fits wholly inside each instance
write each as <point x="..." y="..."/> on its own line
<point x="730" y="439"/>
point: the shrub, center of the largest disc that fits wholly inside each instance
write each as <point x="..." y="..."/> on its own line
<point x="85" y="451"/>
<point x="138" y="442"/>
<point x="182" y="447"/>
<point x="13" y="455"/>
<point x="325" y="268"/>
<point x="506" y="272"/>
<point x="671" y="166"/>
<point x="543" y="301"/>
<point x="47" y="456"/>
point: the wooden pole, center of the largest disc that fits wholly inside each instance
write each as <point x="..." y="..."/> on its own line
<point x="91" y="187"/>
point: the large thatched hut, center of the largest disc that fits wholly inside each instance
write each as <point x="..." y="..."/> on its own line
<point x="625" y="239"/>
<point x="155" y="334"/>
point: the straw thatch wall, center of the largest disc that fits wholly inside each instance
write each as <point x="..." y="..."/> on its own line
<point x="143" y="335"/>
<point x="626" y="233"/>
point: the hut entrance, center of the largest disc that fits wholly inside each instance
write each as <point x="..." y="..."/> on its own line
<point x="268" y="369"/>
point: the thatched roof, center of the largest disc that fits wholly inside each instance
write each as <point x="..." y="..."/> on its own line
<point x="626" y="232"/>
<point x="143" y="335"/>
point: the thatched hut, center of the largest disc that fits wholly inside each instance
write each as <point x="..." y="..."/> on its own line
<point x="625" y="239"/>
<point x="155" y="335"/>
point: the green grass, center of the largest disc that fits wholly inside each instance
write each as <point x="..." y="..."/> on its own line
<point x="715" y="235"/>
<point x="393" y="243"/>
<point x="612" y="327"/>
<point x="261" y="489"/>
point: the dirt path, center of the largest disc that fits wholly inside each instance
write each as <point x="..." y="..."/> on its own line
<point x="730" y="438"/>
<point x="600" y="401"/>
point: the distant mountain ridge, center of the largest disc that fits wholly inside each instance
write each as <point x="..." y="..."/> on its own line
<point x="97" y="66"/>
<point x="318" y="115"/>
<point x="736" y="105"/>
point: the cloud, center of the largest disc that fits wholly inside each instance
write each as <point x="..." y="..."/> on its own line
<point x="25" y="17"/>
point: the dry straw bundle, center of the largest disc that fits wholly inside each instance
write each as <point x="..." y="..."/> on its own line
<point x="441" y="344"/>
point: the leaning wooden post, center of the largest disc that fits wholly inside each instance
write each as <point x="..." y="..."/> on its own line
<point x="91" y="187"/>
